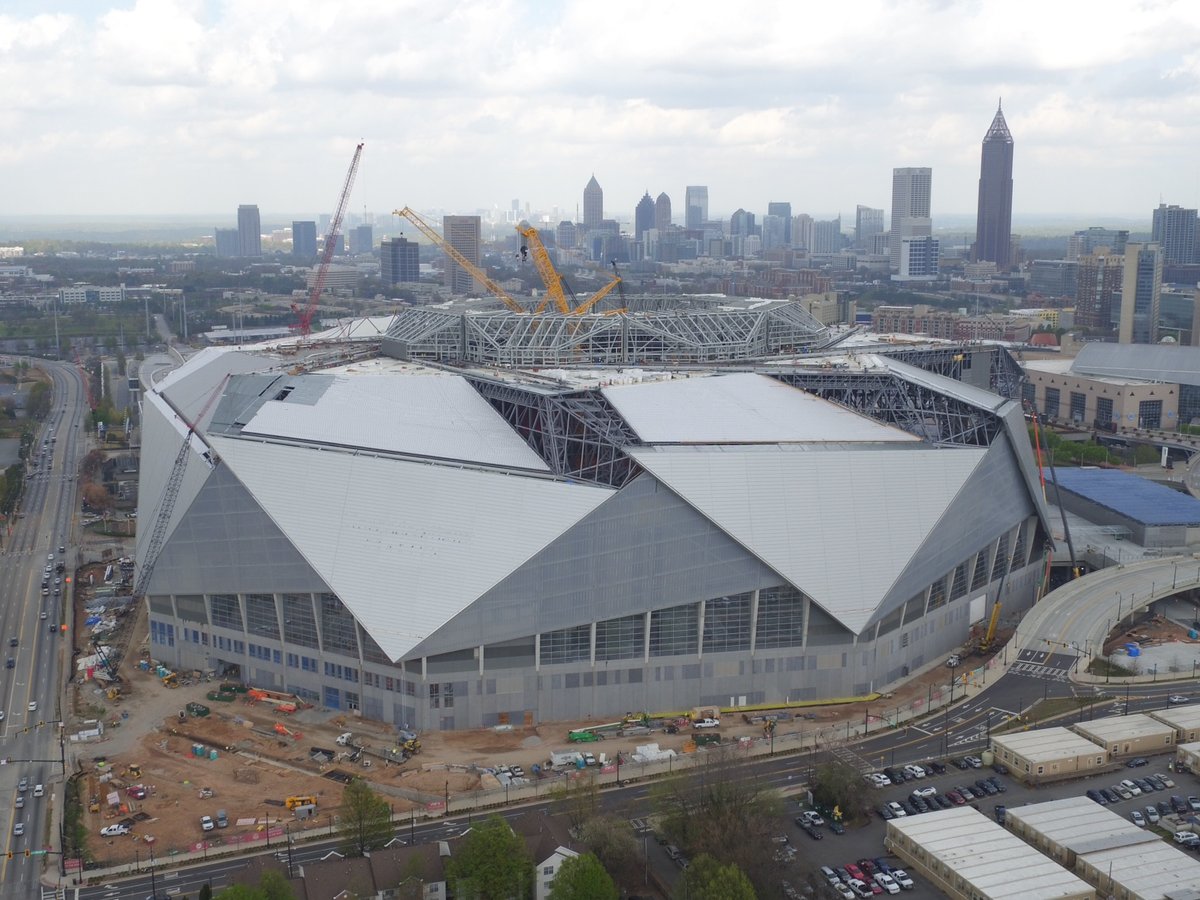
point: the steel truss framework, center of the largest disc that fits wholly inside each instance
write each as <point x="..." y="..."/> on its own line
<point x="696" y="334"/>
<point x="1004" y="373"/>
<point x="580" y="435"/>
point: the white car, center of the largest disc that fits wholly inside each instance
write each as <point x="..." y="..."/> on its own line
<point x="206" y="823"/>
<point x="901" y="878"/>
<point x="1138" y="819"/>
<point x="897" y="810"/>
<point x="114" y="830"/>
<point x="844" y="891"/>
<point x="860" y="888"/>
<point x="1133" y="789"/>
<point x="878" y="779"/>
<point x="1177" y="698"/>
<point x="1165" y="780"/>
<point x="812" y="818"/>
<point x="707" y="723"/>
<point x="915" y="770"/>
<point x="925" y="792"/>
<point x="33" y="706"/>
<point x="886" y="882"/>
<point x="18" y="829"/>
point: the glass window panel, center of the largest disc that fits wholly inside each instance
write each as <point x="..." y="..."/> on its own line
<point x="337" y="627"/>
<point x="261" y="617"/>
<point x="780" y="617"/>
<point x="622" y="638"/>
<point x="727" y="623"/>
<point x="226" y="611"/>
<point x="980" y="578"/>
<point x="567" y="645"/>
<point x="960" y="582"/>
<point x="673" y="631"/>
<point x="1000" y="567"/>
<point x="299" y="623"/>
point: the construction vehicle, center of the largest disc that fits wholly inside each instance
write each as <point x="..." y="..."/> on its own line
<point x="583" y="736"/>
<point x="304" y="316"/>
<point x="638" y="718"/>
<point x="171" y="680"/>
<point x="105" y="661"/>
<point x="133" y="770"/>
<point x="284" y="731"/>
<point x="450" y="250"/>
<point x="294" y="802"/>
<point x="113" y="694"/>
<point x="556" y="288"/>
<point x="94" y="804"/>
<point x="411" y="746"/>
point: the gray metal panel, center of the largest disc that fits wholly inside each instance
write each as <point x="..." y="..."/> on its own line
<point x="1018" y="436"/>
<point x="189" y="387"/>
<point x="225" y="543"/>
<point x="957" y="389"/>
<point x="644" y="548"/>
<point x="990" y="503"/>
<point x="1141" y="362"/>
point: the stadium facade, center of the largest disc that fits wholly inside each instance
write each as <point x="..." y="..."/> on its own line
<point x="446" y="548"/>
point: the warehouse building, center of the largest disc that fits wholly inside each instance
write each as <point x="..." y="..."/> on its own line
<point x="444" y="548"/>
<point x="1048" y="754"/>
<point x="1125" y="736"/>
<point x="964" y="854"/>
<point x="1153" y="515"/>
<point x="1108" y="851"/>
<point x="1187" y="757"/>
<point x="1184" y="720"/>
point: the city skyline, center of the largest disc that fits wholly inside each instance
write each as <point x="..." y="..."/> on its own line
<point x="193" y="107"/>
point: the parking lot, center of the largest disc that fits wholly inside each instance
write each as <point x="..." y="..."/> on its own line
<point x="866" y="841"/>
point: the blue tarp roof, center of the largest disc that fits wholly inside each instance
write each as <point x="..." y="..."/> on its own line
<point x="1129" y="495"/>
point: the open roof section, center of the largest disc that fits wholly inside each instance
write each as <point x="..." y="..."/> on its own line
<point x="742" y="408"/>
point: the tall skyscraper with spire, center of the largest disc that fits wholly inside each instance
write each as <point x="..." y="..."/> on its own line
<point x="593" y="204"/>
<point x="643" y="216"/>
<point x="993" y="222"/>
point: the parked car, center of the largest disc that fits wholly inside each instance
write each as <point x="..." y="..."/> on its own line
<point x="881" y="865"/>
<point x="1137" y="762"/>
<point x="915" y="770"/>
<point x="1152" y="815"/>
<point x="1110" y="795"/>
<point x="114" y="830"/>
<point x="942" y="800"/>
<point x="1124" y="792"/>
<point x="878" y="779"/>
<point x="206" y="823"/>
<point x="1194" y="804"/>
<point x="974" y="762"/>
<point x="845" y="891"/>
<point x="886" y="882"/>
<point x="999" y="768"/>
<point x="959" y="763"/>
<point x="812" y="817"/>
<point x="885" y="812"/>
<point x="898" y="811"/>
<point x="1165" y="780"/>
<point x="1137" y="818"/>
<point x="1187" y="838"/>
<point x="1164" y="808"/>
<point x="1179" y="805"/>
<point x="1097" y="797"/>
<point x="901" y="878"/>
<point x="855" y="871"/>
<point x="997" y="784"/>
<point x="918" y="803"/>
<point x="836" y="827"/>
<point x="1155" y="782"/>
<point x="936" y="767"/>
<point x="966" y="792"/>
<point x="955" y="797"/>
<point x="707" y="723"/>
<point x="927" y="791"/>
<point x="860" y="888"/>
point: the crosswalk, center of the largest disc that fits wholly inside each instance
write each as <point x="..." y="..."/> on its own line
<point x="1044" y="666"/>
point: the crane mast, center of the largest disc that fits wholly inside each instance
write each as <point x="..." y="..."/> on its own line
<point x="556" y="287"/>
<point x="304" y="316"/>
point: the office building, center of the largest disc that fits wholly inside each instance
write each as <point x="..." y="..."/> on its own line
<point x="1140" y="290"/>
<point x="774" y="232"/>
<point x="827" y="236"/>
<point x="868" y="222"/>
<point x="249" y="231"/>
<point x="993" y="218"/>
<point x="304" y="240"/>
<point x="696" y="198"/>
<point x="593" y="204"/>
<point x="643" y="216"/>
<point x="920" y="258"/>
<point x="784" y="211"/>
<point x="463" y="234"/>
<point x="362" y="239"/>
<point x="399" y="261"/>
<point x="1091" y="240"/>
<point x="1054" y="277"/>
<point x="566" y="234"/>
<point x="741" y="223"/>
<point x="1098" y="282"/>
<point x="1174" y="229"/>
<point x="912" y="191"/>
<point x="802" y="232"/>
<point x="227" y="244"/>
<point x="662" y="212"/>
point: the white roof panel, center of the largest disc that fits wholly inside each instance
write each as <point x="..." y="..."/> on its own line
<point x="770" y="498"/>
<point x="406" y="545"/>
<point x="439" y="416"/>
<point x="741" y="408"/>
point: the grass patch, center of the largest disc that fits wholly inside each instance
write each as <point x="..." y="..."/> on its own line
<point x="1047" y="710"/>
<point x="1101" y="666"/>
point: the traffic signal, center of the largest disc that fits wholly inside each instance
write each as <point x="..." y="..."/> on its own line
<point x="26" y="852"/>
<point x="10" y="854"/>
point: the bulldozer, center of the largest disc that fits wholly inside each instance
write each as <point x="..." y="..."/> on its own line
<point x="113" y="694"/>
<point x="412" y="746"/>
<point x="294" y="802"/>
<point x="133" y="770"/>
<point x="94" y="805"/>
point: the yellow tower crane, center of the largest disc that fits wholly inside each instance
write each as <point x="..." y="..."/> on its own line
<point x="556" y="288"/>
<point x="587" y="305"/>
<point x="446" y="247"/>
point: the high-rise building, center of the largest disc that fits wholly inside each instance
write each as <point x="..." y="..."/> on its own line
<point x="662" y="212"/>
<point x="593" y="204"/>
<point x="783" y="209"/>
<point x="993" y="218"/>
<point x="399" y="261"/>
<point x="643" y="216"/>
<point x="920" y="258"/>
<point x="566" y="235"/>
<point x="774" y="231"/>
<point x="1086" y="242"/>
<point x="741" y="223"/>
<point x="912" y="191"/>
<point x="695" y="197"/>
<point x="1174" y="229"/>
<point x="1140" y="293"/>
<point x="827" y="236"/>
<point x="802" y="232"/>
<point x="868" y="222"/>
<point x="362" y="239"/>
<point x="228" y="245"/>
<point x="249" y="231"/>
<point x="463" y="234"/>
<point x="304" y="240"/>
<point x="1098" y="284"/>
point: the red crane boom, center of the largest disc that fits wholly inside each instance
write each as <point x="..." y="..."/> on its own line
<point x="304" y="316"/>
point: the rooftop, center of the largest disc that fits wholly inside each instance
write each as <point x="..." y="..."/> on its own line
<point x="1180" y="717"/>
<point x="1045" y="744"/>
<point x="1119" y="728"/>
<point x="1129" y="495"/>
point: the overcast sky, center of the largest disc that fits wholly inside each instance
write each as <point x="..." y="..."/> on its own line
<point x="171" y="106"/>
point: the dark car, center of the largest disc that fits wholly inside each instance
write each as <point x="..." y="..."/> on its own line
<point x="1164" y="808"/>
<point x="959" y="764"/>
<point x="868" y="867"/>
<point x="1000" y="768"/>
<point x="966" y="792"/>
<point x="837" y="827"/>
<point x="884" y="811"/>
<point x="813" y="832"/>
<point x="842" y="873"/>
<point x="1001" y="811"/>
<point x="1145" y="785"/>
<point x="942" y="800"/>
<point x="1179" y="804"/>
<point x="881" y="865"/>
<point x="937" y="767"/>
<point x="997" y="784"/>
<point x="1156" y="782"/>
<point x="909" y="807"/>
<point x="1097" y="797"/>
<point x="986" y="787"/>
<point x="1137" y="762"/>
<point x="955" y="797"/>
<point x="1110" y="795"/>
<point x="919" y="803"/>
<point x="893" y="776"/>
<point x="12" y="642"/>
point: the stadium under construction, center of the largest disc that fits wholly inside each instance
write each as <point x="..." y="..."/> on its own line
<point x="485" y="517"/>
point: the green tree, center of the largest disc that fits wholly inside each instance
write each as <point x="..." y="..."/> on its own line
<point x="205" y="892"/>
<point x="707" y="879"/>
<point x="582" y="878"/>
<point x="491" y="864"/>
<point x="274" y="886"/>
<point x="366" y="821"/>
<point x="613" y="843"/>
<point x="837" y="786"/>
<point x="577" y="798"/>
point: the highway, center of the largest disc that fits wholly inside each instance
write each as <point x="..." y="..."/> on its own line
<point x="32" y="687"/>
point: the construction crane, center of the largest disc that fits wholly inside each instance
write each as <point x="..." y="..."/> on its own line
<point x="556" y="287"/>
<point x="587" y="305"/>
<point x="166" y="506"/>
<point x="304" y="316"/>
<point x="105" y="661"/>
<point x="446" y="247"/>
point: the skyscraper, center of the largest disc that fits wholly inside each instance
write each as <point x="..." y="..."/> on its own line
<point x="1098" y="282"/>
<point x="593" y="204"/>
<point x="993" y="218"/>
<point x="1141" y="288"/>
<point x="827" y="236"/>
<point x="662" y="212"/>
<point x="362" y="239"/>
<point x="304" y="240"/>
<point x="249" y="231"/>
<point x="695" y="198"/>
<point x="802" y="232"/>
<point x="643" y="216"/>
<point x="227" y="242"/>
<point x="912" y="190"/>
<point x="463" y="234"/>
<point x="784" y="210"/>
<point x="1174" y="229"/>
<point x="399" y="261"/>
<point x="868" y="222"/>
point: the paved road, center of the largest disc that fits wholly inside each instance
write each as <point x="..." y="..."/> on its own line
<point x="30" y="690"/>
